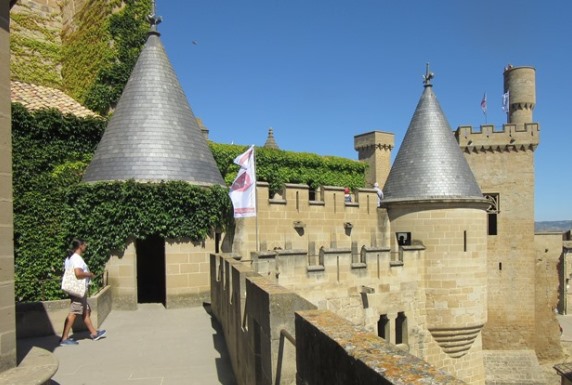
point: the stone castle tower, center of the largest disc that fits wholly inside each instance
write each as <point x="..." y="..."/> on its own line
<point x="503" y="162"/>
<point x="474" y="264"/>
<point x="374" y="148"/>
<point x="431" y="196"/>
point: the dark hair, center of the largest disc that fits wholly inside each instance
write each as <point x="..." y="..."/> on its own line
<point x="75" y="244"/>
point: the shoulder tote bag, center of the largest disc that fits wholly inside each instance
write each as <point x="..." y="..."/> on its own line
<point x="72" y="285"/>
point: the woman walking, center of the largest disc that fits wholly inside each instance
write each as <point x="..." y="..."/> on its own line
<point x="79" y="306"/>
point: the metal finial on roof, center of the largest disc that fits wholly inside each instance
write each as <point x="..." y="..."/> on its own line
<point x="153" y="19"/>
<point x="428" y="76"/>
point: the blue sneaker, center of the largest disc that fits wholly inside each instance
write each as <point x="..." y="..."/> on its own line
<point x="68" y="342"/>
<point x="100" y="334"/>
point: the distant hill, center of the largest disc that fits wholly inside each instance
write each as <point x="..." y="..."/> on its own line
<point x="552" y="226"/>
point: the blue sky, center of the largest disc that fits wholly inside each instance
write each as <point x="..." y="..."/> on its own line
<point x="321" y="71"/>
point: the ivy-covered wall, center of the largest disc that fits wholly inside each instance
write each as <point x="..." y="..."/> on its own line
<point x="51" y="206"/>
<point x="35" y="44"/>
<point x="100" y="53"/>
<point x="90" y="58"/>
<point x="96" y="52"/>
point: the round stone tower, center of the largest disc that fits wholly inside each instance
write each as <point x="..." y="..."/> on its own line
<point x="433" y="201"/>
<point x="520" y="84"/>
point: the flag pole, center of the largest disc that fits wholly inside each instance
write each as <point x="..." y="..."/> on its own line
<point x="255" y="196"/>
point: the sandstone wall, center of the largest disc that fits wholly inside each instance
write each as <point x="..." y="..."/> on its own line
<point x="294" y="222"/>
<point x="453" y="277"/>
<point x="121" y="270"/>
<point x="549" y="257"/>
<point x="260" y="320"/>
<point x="36" y="42"/>
<point x="186" y="268"/>
<point x="257" y="317"/>
<point x="374" y="148"/>
<point x="330" y="350"/>
<point x="7" y="309"/>
<point x="503" y="163"/>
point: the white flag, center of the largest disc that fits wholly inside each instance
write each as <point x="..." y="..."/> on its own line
<point x="243" y="189"/>
<point x="505" y="102"/>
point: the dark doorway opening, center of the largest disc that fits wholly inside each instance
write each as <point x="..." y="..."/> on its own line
<point x="151" y="282"/>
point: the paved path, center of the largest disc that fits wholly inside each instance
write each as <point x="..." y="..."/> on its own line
<point x="566" y="324"/>
<point x="148" y="346"/>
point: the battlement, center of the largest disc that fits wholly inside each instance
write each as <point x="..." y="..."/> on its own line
<point x="299" y="218"/>
<point x="375" y="139"/>
<point x="513" y="137"/>
<point x="329" y="199"/>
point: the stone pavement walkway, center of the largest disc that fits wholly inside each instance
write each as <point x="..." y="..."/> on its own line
<point x="147" y="346"/>
<point x="566" y="324"/>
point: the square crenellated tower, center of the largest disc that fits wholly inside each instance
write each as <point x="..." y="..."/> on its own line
<point x="502" y="161"/>
<point x="374" y="148"/>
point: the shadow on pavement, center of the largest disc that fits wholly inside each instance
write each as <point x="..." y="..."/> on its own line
<point x="225" y="376"/>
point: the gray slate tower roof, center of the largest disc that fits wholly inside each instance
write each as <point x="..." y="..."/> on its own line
<point x="270" y="141"/>
<point x="153" y="134"/>
<point x="430" y="164"/>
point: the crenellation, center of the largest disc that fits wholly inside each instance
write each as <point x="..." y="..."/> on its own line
<point x="511" y="137"/>
<point x="345" y="256"/>
<point x="375" y="148"/>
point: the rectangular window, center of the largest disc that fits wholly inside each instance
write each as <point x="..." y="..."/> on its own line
<point x="401" y="329"/>
<point x="383" y="327"/>
<point x="493" y="212"/>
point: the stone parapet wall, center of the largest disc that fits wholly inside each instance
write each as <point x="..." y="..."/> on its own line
<point x="259" y="322"/>
<point x="39" y="319"/>
<point x="330" y="350"/>
<point x="257" y="317"/>
<point x="357" y="287"/>
<point x="37" y="368"/>
<point x="294" y="222"/>
<point x="510" y="137"/>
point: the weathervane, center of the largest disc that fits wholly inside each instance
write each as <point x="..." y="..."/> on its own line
<point x="153" y="19"/>
<point x="428" y="76"/>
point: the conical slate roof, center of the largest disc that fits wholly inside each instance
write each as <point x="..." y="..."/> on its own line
<point x="270" y="142"/>
<point x="153" y="134"/>
<point x="430" y="164"/>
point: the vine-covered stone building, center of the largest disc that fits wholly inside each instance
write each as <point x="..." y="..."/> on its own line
<point x="448" y="268"/>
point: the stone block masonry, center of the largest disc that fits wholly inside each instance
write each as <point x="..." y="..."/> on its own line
<point x="259" y="319"/>
<point x="330" y="350"/>
<point x="7" y="308"/>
